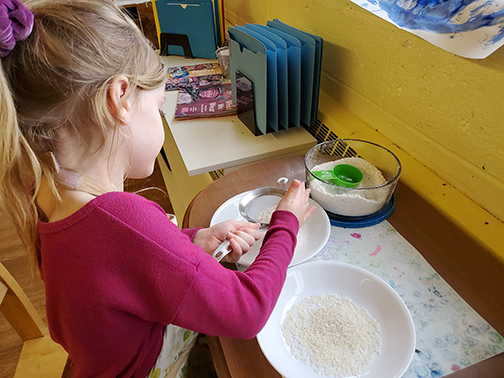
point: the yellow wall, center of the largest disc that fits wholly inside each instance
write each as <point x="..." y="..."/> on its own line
<point x="443" y="111"/>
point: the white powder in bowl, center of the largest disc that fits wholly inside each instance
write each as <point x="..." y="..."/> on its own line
<point x="349" y="201"/>
<point x="265" y="214"/>
<point x="332" y="334"/>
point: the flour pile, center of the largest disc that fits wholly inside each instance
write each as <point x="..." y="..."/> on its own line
<point x="351" y="202"/>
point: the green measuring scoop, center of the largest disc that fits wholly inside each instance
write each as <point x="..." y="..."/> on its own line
<point x="342" y="175"/>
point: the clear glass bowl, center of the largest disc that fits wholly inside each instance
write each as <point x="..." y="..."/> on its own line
<point x="380" y="167"/>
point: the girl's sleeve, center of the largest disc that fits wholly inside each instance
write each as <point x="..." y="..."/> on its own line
<point x="190" y="232"/>
<point x="237" y="304"/>
<point x="171" y="280"/>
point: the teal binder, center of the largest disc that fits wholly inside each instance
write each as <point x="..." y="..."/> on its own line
<point x="319" y="46"/>
<point x="193" y="19"/>
<point x="282" y="72"/>
<point x="293" y="74"/>
<point x="248" y="56"/>
<point x="307" y="67"/>
<point x="271" y="78"/>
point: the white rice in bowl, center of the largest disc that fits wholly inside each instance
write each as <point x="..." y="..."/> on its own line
<point x="332" y="334"/>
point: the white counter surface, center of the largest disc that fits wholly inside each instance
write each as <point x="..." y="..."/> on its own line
<point x="126" y="3"/>
<point x="209" y="144"/>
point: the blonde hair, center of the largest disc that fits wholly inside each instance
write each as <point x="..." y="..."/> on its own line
<point x="59" y="79"/>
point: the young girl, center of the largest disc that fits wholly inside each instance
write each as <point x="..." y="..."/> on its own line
<point x="123" y="284"/>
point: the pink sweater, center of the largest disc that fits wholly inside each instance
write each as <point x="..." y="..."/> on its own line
<point x="117" y="271"/>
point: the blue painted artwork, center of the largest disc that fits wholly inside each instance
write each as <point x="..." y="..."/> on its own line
<point x="469" y="28"/>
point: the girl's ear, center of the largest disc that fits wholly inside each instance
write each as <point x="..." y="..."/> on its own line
<point x="118" y="101"/>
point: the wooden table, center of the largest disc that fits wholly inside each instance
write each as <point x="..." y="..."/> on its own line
<point x="470" y="269"/>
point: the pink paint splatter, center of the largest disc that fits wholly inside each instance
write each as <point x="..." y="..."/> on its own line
<point x="400" y="275"/>
<point x="455" y="367"/>
<point x="376" y="251"/>
<point x="355" y="235"/>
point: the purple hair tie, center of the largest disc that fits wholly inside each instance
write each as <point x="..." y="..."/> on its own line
<point x="16" y="23"/>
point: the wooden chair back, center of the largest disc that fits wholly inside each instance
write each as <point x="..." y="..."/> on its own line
<point x="40" y="357"/>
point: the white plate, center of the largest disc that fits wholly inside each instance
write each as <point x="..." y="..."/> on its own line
<point x="367" y="291"/>
<point x="311" y="237"/>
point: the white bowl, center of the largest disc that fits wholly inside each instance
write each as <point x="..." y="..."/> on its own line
<point x="367" y="291"/>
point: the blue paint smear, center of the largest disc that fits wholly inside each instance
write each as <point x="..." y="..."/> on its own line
<point x="435" y="16"/>
<point x="392" y="284"/>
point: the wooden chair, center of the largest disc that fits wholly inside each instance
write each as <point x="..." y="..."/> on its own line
<point x="40" y="357"/>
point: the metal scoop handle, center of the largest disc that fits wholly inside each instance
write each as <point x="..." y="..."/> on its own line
<point x="222" y="250"/>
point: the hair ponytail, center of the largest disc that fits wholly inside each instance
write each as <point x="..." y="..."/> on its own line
<point x="20" y="173"/>
<point x="54" y="84"/>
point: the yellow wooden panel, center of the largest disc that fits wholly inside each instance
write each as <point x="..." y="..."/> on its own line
<point x="3" y="291"/>
<point x="41" y="358"/>
<point x="156" y="20"/>
<point x="181" y="187"/>
<point x="474" y="220"/>
<point x="18" y="310"/>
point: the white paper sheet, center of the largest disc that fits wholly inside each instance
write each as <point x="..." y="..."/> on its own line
<point x="469" y="28"/>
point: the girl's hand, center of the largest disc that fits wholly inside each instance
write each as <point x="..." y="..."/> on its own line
<point x="241" y="236"/>
<point x="296" y="201"/>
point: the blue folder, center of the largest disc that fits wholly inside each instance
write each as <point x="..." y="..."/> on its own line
<point x="307" y="66"/>
<point x="282" y="72"/>
<point x="193" y="18"/>
<point x="294" y="74"/>
<point x="319" y="46"/>
<point x="271" y="78"/>
<point x="248" y="55"/>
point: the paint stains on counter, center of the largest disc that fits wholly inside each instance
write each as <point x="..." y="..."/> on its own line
<point x="450" y="335"/>
<point x="376" y="251"/>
